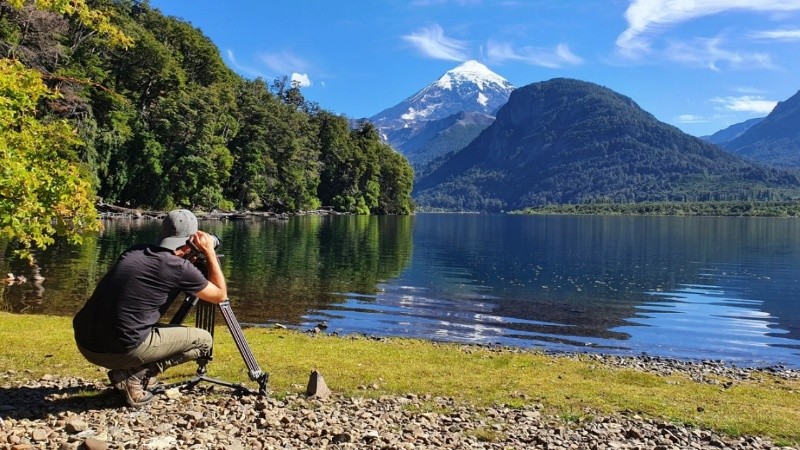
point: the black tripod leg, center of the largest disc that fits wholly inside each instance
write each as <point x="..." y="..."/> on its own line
<point x="254" y="371"/>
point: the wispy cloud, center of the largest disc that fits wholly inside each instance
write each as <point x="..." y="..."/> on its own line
<point x="647" y="16"/>
<point x="709" y="53"/>
<point x="301" y="79"/>
<point x="749" y="90"/>
<point x="550" y="58"/>
<point x="746" y="103"/>
<point x="691" y="118"/>
<point x="432" y="43"/>
<point x="240" y="68"/>
<point x="776" y="35"/>
<point x="284" y="63"/>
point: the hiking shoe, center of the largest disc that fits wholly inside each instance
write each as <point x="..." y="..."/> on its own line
<point x="132" y="385"/>
<point x="150" y="382"/>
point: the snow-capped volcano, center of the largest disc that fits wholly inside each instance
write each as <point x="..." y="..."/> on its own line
<point x="470" y="87"/>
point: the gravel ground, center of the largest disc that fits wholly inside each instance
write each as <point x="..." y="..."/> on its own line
<point x="51" y="413"/>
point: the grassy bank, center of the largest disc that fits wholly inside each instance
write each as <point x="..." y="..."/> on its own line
<point x="765" y="406"/>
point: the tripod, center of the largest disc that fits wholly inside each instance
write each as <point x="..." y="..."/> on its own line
<point x="205" y="318"/>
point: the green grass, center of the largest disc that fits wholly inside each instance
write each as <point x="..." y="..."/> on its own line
<point x="572" y="389"/>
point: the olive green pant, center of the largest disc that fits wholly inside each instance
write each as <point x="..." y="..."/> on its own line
<point x="167" y="346"/>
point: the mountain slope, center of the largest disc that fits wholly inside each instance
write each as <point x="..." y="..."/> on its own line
<point x="438" y="137"/>
<point x="776" y="139"/>
<point x="568" y="141"/>
<point x="469" y="88"/>
<point x="732" y="132"/>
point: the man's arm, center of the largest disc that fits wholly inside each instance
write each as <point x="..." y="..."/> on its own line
<point x="216" y="291"/>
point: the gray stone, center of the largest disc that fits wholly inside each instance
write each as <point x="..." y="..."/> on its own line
<point x="317" y="388"/>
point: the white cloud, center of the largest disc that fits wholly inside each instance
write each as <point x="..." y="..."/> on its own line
<point x="550" y="58"/>
<point x="776" y="35"/>
<point x="647" y="16"/>
<point x="433" y="43"/>
<point x="746" y="103"/>
<point x="284" y="63"/>
<point x="691" y="118"/>
<point x="709" y="53"/>
<point x="749" y="90"/>
<point x="300" y="80"/>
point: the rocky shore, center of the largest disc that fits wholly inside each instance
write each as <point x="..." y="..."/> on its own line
<point x="56" y="413"/>
<point x="114" y="212"/>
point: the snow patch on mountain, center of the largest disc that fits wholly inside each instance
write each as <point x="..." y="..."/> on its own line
<point x="482" y="99"/>
<point x="475" y="72"/>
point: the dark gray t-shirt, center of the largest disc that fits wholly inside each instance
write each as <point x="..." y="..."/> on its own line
<point x="132" y="297"/>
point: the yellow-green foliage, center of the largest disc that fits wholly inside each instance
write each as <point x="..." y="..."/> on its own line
<point x="569" y="388"/>
<point x="92" y="18"/>
<point x="43" y="190"/>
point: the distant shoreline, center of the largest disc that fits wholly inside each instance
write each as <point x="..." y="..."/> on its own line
<point x="787" y="209"/>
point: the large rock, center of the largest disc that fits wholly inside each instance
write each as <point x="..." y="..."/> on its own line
<point x="316" y="386"/>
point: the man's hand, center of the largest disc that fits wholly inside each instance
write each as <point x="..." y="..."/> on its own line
<point x="216" y="291"/>
<point x="204" y="242"/>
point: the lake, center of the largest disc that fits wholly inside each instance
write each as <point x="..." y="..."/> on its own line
<point x="719" y="288"/>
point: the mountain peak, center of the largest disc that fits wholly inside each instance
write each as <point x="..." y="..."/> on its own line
<point x="423" y="124"/>
<point x="474" y="72"/>
<point x="470" y="87"/>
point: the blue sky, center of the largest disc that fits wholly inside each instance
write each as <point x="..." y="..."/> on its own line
<point x="700" y="65"/>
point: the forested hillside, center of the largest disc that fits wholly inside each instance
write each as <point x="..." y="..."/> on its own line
<point x="164" y="123"/>
<point x="568" y="141"/>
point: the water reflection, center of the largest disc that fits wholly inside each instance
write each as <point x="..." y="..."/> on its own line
<point x="586" y="283"/>
<point x="717" y="324"/>
<point x="720" y="288"/>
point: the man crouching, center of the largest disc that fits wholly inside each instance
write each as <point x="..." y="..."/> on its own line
<point x="118" y="328"/>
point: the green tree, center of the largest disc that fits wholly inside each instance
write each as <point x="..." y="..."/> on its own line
<point x="396" y="181"/>
<point x="92" y="18"/>
<point x="252" y="163"/>
<point x="43" y="189"/>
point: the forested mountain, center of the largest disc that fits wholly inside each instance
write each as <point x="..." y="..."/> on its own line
<point x="569" y="141"/>
<point x="433" y="120"/>
<point x="776" y="139"/>
<point x="732" y="132"/>
<point x="164" y="122"/>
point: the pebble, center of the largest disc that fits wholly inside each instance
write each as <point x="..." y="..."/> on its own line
<point x="53" y="413"/>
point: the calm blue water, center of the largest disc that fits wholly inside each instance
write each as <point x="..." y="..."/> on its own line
<point x="691" y="288"/>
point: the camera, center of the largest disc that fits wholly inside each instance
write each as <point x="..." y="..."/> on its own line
<point x="197" y="257"/>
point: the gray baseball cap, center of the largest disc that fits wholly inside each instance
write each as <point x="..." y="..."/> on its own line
<point x="176" y="227"/>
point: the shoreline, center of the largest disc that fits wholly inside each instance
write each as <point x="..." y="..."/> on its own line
<point x="516" y="401"/>
<point x="113" y="212"/>
<point x="55" y="413"/>
<point x="698" y="370"/>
